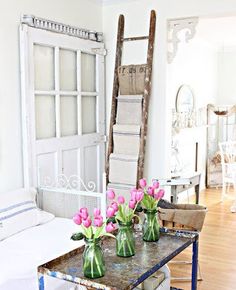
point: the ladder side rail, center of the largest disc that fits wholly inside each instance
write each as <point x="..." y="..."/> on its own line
<point x="119" y="48"/>
<point x="146" y="97"/>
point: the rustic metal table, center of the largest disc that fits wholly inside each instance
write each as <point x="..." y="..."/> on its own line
<point x="124" y="273"/>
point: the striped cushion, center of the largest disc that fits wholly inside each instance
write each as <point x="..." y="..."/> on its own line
<point x="18" y="211"/>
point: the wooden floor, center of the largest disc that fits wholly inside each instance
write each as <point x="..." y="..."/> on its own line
<point x="217" y="246"/>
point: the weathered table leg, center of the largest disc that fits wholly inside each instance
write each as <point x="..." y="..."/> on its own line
<point x="41" y="281"/>
<point x="197" y="191"/>
<point x="194" y="264"/>
<point x="174" y="198"/>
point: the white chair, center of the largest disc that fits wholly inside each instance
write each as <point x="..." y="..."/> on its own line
<point x="228" y="164"/>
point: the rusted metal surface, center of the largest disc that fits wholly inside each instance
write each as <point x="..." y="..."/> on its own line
<point x="146" y="96"/>
<point x="122" y="273"/>
<point x="119" y="47"/>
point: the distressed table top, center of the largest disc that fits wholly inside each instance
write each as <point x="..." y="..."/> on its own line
<point x="121" y="273"/>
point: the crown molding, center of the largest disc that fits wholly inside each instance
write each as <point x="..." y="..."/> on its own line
<point x="53" y="26"/>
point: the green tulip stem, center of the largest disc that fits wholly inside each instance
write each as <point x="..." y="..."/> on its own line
<point x="120" y="246"/>
<point x="92" y="267"/>
<point x="98" y="266"/>
<point x="129" y="246"/>
<point x="153" y="237"/>
<point x="123" y="242"/>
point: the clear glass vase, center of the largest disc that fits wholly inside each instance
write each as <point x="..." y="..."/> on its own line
<point x="93" y="260"/>
<point x="151" y="227"/>
<point x="125" y="242"/>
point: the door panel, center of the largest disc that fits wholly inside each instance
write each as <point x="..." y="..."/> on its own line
<point x="68" y="71"/>
<point x="43" y="67"/>
<point x="63" y="109"/>
<point x="45" y="117"/>
<point x="47" y="167"/>
<point x="68" y="115"/>
<point x="88" y="72"/>
<point x="70" y="162"/>
<point x="90" y="164"/>
<point x="89" y="114"/>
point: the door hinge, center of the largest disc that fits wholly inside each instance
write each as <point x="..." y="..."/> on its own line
<point x="100" y="51"/>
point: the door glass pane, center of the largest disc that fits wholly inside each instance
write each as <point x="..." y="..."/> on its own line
<point x="43" y="67"/>
<point x="88" y="72"/>
<point x="69" y="115"/>
<point x="67" y="70"/>
<point x="89" y="114"/>
<point x="45" y="117"/>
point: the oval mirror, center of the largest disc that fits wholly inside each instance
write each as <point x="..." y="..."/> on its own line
<point x="184" y="102"/>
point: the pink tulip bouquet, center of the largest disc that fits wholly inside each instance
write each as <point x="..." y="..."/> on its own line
<point x="123" y="211"/>
<point x="152" y="194"/>
<point x="92" y="227"/>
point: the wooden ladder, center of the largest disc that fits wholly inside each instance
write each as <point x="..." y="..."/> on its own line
<point x="146" y="94"/>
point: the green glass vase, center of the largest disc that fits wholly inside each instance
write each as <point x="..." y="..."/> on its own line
<point x="151" y="227"/>
<point x="93" y="260"/>
<point x="125" y="242"/>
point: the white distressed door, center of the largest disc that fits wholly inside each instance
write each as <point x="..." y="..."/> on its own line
<point x="62" y="106"/>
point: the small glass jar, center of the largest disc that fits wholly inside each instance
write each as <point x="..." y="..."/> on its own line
<point x="125" y="242"/>
<point x="93" y="260"/>
<point x="151" y="227"/>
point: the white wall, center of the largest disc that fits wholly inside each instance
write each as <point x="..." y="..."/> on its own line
<point x="227" y="76"/>
<point x="137" y="14"/>
<point x="88" y="14"/>
<point x="82" y="13"/>
<point x="196" y="64"/>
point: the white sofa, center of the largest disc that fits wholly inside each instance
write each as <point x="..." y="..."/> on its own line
<point x="30" y="237"/>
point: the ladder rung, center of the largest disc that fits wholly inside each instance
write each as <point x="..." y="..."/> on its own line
<point x="135" y="38"/>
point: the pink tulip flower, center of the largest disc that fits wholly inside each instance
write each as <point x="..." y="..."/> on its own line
<point x="155" y="184"/>
<point x="115" y="206"/>
<point x="139" y="195"/>
<point x="133" y="193"/>
<point x="77" y="219"/>
<point x="121" y="199"/>
<point x="143" y="182"/>
<point x="98" y="221"/>
<point x="110" y="194"/>
<point x="110" y="212"/>
<point x="150" y="191"/>
<point x="158" y="195"/>
<point x="110" y="227"/>
<point x="84" y="213"/>
<point x="87" y="223"/>
<point x="132" y="204"/>
<point x="96" y="212"/>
